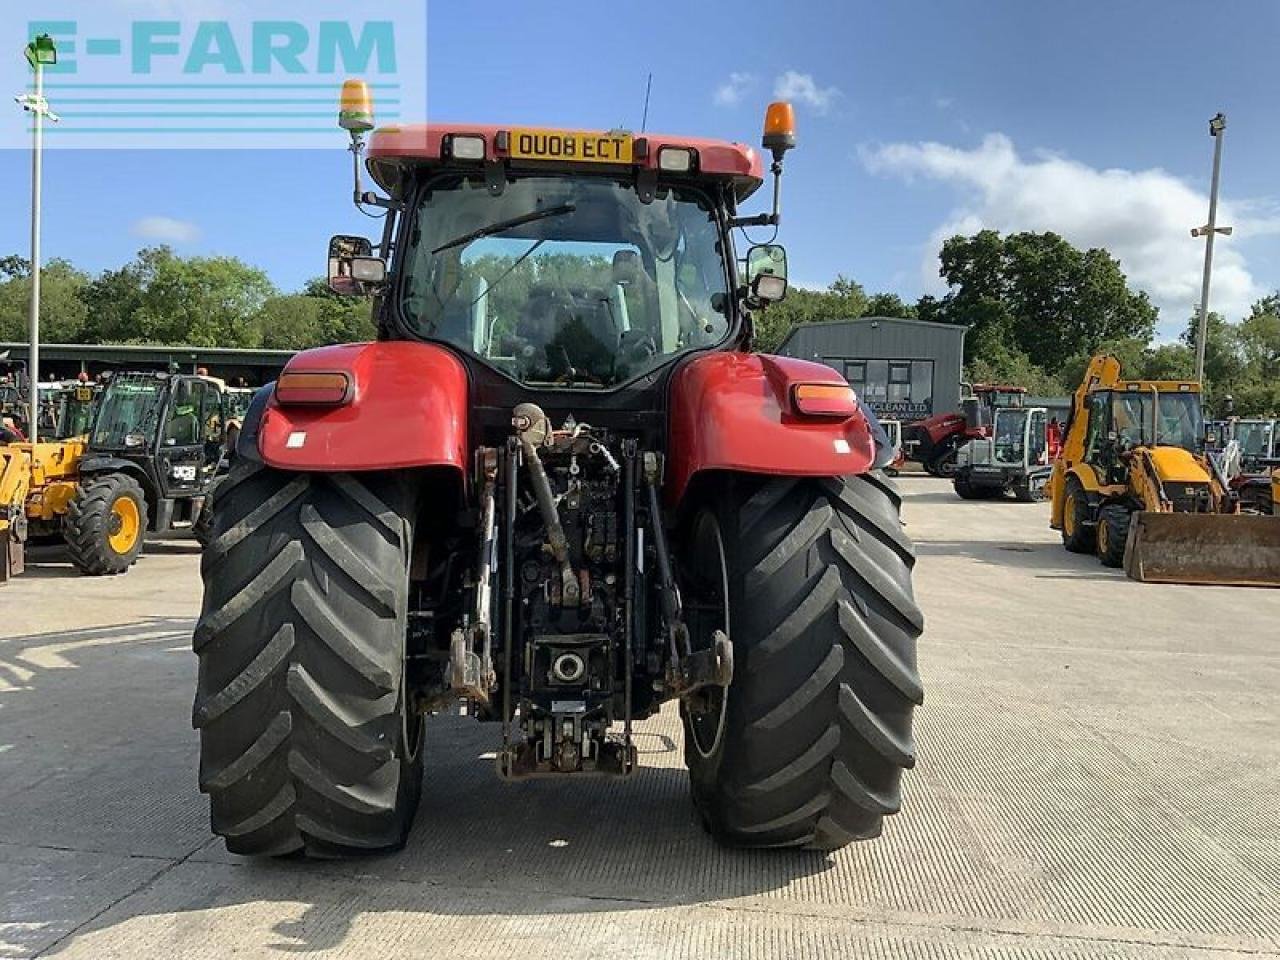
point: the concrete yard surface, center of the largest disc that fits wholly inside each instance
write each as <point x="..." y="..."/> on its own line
<point x="1099" y="776"/>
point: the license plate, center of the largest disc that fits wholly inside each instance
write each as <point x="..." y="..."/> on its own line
<point x="575" y="147"/>
<point x="84" y="394"/>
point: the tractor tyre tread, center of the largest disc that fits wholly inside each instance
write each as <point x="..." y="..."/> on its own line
<point x="1086" y="537"/>
<point x="1116" y="518"/>
<point x="824" y="626"/>
<point x="299" y="700"/>
<point x="85" y="527"/>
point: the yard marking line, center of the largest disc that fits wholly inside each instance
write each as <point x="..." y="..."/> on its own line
<point x="21" y="673"/>
<point x="50" y="656"/>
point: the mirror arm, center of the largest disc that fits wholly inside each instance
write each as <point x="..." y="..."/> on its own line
<point x="774" y="217"/>
<point x="362" y="197"/>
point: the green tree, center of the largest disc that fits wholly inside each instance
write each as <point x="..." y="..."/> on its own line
<point x="1014" y="367"/>
<point x="1036" y="293"/>
<point x="162" y="298"/>
<point x="1130" y="351"/>
<point x="299" y="321"/>
<point x="843" y="300"/>
<point x="63" y="312"/>
<point x="1224" y="370"/>
<point x="888" y="305"/>
<point x="13" y="267"/>
<point x="1169" y="361"/>
<point x="1257" y="345"/>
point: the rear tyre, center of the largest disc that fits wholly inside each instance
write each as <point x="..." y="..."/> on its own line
<point x="1113" y="532"/>
<point x="967" y="491"/>
<point x="106" y="524"/>
<point x="307" y="741"/>
<point x="1077" y="535"/>
<point x="817" y="727"/>
<point x="202" y="526"/>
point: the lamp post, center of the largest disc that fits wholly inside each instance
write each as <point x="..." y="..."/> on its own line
<point x="41" y="52"/>
<point x="1217" y="130"/>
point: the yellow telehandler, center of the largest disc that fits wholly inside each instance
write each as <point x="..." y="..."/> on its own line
<point x="1134" y="485"/>
<point x="37" y="483"/>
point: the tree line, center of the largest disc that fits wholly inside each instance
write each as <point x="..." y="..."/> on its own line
<point x="163" y="298"/>
<point x="1036" y="307"/>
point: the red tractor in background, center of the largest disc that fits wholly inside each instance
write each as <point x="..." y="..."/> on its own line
<point x="561" y="489"/>
<point x="933" y="442"/>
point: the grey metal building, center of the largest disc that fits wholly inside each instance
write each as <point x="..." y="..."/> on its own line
<point x="903" y="369"/>
<point x="63" y="361"/>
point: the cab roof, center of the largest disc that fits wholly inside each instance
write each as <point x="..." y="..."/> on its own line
<point x="393" y="148"/>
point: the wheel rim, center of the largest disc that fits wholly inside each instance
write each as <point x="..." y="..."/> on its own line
<point x="1069" y="515"/>
<point x="707" y="611"/>
<point x="124" y="525"/>
<point x="1104" y="540"/>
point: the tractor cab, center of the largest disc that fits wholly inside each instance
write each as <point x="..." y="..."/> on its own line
<point x="984" y="400"/>
<point x="1258" y="442"/>
<point x="14" y="410"/>
<point x="1014" y="458"/>
<point x="164" y="431"/>
<point x="565" y="263"/>
<point x="1165" y="418"/>
<point x="66" y="409"/>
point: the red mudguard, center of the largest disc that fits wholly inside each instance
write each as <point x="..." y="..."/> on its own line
<point x="732" y="411"/>
<point x="407" y="408"/>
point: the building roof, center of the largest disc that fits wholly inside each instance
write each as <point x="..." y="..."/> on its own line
<point x="951" y="327"/>
<point x="148" y="351"/>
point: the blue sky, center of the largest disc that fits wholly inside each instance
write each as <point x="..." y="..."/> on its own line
<point x="916" y="119"/>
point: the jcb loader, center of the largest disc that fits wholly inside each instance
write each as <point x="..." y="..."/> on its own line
<point x="1135" y="485"/>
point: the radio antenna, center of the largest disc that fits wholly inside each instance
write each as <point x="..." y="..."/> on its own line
<point x="648" y="86"/>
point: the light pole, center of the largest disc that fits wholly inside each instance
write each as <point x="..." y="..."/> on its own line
<point x="41" y="53"/>
<point x="1217" y="130"/>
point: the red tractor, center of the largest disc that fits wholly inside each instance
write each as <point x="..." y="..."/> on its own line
<point x="562" y="490"/>
<point x="934" y="441"/>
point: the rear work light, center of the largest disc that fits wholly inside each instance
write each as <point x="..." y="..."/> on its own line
<point x="834" y="400"/>
<point x="326" y="389"/>
<point x="675" y="159"/>
<point x="466" y="147"/>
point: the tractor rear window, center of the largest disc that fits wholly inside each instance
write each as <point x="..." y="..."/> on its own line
<point x="565" y="281"/>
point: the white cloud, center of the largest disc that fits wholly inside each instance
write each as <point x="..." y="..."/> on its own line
<point x="803" y="88"/>
<point x="1143" y="217"/>
<point x="731" y="92"/>
<point x="166" y="230"/>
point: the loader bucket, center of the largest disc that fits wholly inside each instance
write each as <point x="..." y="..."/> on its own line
<point x="1211" y="548"/>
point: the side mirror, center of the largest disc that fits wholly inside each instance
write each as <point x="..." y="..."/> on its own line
<point x="766" y="270"/>
<point x="353" y="269"/>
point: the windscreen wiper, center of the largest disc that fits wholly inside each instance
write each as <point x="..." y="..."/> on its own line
<point x="503" y="225"/>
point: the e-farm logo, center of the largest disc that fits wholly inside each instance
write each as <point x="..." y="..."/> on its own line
<point x="214" y="73"/>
